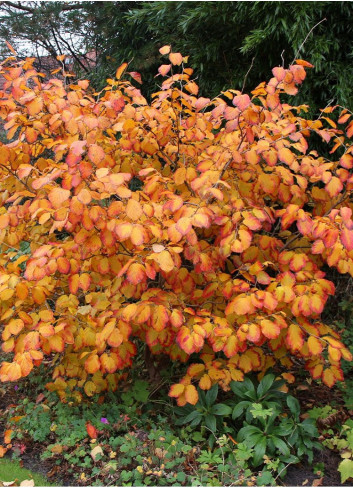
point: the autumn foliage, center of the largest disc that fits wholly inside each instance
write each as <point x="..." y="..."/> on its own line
<point x="189" y="224"/>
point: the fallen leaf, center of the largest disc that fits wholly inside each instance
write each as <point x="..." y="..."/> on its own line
<point x="96" y="451"/>
<point x="317" y="482"/>
<point x="27" y="483"/>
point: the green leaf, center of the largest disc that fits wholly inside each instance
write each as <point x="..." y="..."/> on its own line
<point x="221" y="410"/>
<point x="211" y="395"/>
<point x="346" y="469"/>
<point x="239" y="408"/>
<point x="265" y="479"/>
<point x="259" y="451"/>
<point x="293" y="405"/>
<point x="191" y="417"/>
<point x="210" y="422"/>
<point x="265" y="385"/>
<point x="281" y="446"/>
<point x="196" y="421"/>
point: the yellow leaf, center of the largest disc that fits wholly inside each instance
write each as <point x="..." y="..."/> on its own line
<point x="120" y="70"/>
<point x="191" y="394"/>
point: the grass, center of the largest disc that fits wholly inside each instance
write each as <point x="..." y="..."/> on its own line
<point x="11" y="470"/>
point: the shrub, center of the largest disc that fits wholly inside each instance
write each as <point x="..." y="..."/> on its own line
<point x="196" y="226"/>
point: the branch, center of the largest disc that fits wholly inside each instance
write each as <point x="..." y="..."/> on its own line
<point x="302" y="44"/>
<point x="32" y="10"/>
<point x="18" y="6"/>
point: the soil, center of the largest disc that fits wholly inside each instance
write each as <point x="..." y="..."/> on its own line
<point x="303" y="475"/>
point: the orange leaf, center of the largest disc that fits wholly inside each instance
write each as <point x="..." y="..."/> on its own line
<point x="136" y="273"/>
<point x="176" y="390"/>
<point x="176" y="58"/>
<point x="314" y="346"/>
<point x="191" y="394"/>
<point x="164" y="50"/>
<point x="164" y="69"/>
<point x="295" y="337"/>
<point x="133" y="210"/>
<point x="91" y="430"/>
<point x="96" y="153"/>
<point x="120" y="70"/>
<point x="164" y="260"/>
<point x="92" y="364"/>
<point x="7" y="436"/>
<point x="58" y="196"/>
<point x="4" y="221"/>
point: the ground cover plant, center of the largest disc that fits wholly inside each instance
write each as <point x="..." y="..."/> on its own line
<point x="188" y="234"/>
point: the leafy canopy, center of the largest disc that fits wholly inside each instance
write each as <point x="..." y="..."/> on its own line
<point x="196" y="226"/>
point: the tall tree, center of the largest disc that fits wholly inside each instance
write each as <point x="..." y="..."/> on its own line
<point x="226" y="39"/>
<point x="229" y="43"/>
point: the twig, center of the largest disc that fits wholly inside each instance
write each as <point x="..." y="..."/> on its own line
<point x="302" y="44"/>
<point x="247" y="73"/>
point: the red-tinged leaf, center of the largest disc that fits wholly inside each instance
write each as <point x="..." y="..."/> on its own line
<point x="302" y="62"/>
<point x="120" y="70"/>
<point x="165" y="50"/>
<point x="136" y="76"/>
<point x="164" y="260"/>
<point x="183" y="225"/>
<point x="316" y="303"/>
<point x="253" y="333"/>
<point x="334" y="187"/>
<point x="4" y="221"/>
<point x="31" y="341"/>
<point x="58" y="196"/>
<point x="279" y="73"/>
<point x="201" y="103"/>
<point x="176" y="318"/>
<point x="295" y="337"/>
<point x="328" y="377"/>
<point x="136" y="273"/>
<point x="270" y="329"/>
<point x="35" y="106"/>
<point x="11" y="48"/>
<point x="92" y="364"/>
<point x="191" y="394"/>
<point x="84" y="281"/>
<point x="176" y="58"/>
<point x="124" y="230"/>
<point x="349" y="130"/>
<point x="115" y="339"/>
<point x="164" y="69"/>
<point x="7" y="436"/>
<point x="242" y="101"/>
<point x="133" y="210"/>
<point x="347" y="161"/>
<point x="160" y="318"/>
<point x="96" y="154"/>
<point x="91" y="431"/>
<point x="241" y="306"/>
<point x="347" y="238"/>
<point x="315" y="346"/>
<point x="84" y="196"/>
<point x="231" y="346"/>
<point x="176" y="390"/>
<point x="286" y="156"/>
<point x="205" y="382"/>
<point x="63" y="265"/>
